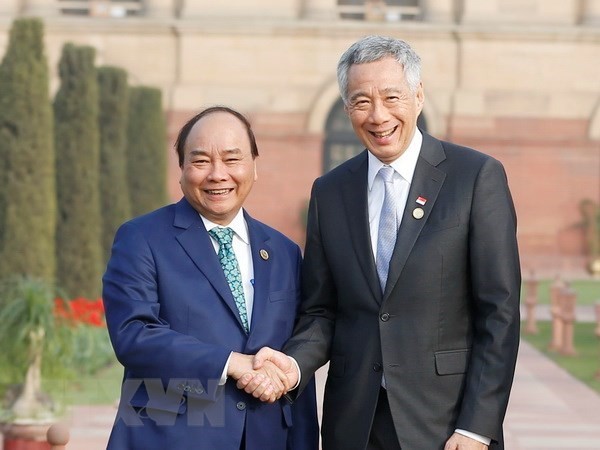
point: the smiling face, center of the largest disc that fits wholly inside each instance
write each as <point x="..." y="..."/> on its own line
<point x="218" y="169"/>
<point x="382" y="108"/>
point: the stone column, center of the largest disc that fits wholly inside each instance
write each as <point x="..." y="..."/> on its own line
<point x="320" y="9"/>
<point x="568" y="301"/>
<point x="557" y="329"/>
<point x="163" y="9"/>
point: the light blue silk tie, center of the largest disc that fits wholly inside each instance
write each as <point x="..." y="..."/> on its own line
<point x="388" y="226"/>
<point x="224" y="237"/>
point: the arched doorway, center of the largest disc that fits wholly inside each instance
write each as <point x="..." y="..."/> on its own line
<point x="341" y="143"/>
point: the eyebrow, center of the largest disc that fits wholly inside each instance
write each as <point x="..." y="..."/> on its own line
<point x="386" y="91"/>
<point x="200" y="152"/>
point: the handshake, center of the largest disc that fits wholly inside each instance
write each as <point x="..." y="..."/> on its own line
<point x="267" y="376"/>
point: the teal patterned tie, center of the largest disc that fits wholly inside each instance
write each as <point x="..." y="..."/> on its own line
<point x="224" y="237"/>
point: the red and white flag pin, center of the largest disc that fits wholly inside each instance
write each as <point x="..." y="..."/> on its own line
<point x="421" y="200"/>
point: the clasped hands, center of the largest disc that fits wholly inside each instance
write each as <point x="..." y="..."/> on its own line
<point x="267" y="376"/>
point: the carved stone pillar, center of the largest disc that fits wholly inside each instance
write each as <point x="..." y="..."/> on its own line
<point x="568" y="301"/>
<point x="530" y="303"/>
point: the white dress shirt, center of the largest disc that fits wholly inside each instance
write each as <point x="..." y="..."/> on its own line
<point x="404" y="168"/>
<point x="243" y="254"/>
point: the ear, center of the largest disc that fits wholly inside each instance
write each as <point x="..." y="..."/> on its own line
<point x="420" y="97"/>
<point x="255" y="171"/>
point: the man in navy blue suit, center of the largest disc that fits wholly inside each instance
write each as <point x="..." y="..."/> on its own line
<point x="184" y="330"/>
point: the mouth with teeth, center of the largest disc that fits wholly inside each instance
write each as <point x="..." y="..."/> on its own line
<point x="383" y="134"/>
<point x="219" y="191"/>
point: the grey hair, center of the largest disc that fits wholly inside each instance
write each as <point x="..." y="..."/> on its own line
<point x="373" y="48"/>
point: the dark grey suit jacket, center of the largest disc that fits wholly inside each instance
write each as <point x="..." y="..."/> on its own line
<point x="445" y="333"/>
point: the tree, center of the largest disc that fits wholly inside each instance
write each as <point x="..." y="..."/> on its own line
<point x="114" y="193"/>
<point x="27" y="195"/>
<point x="79" y="253"/>
<point x="146" y="158"/>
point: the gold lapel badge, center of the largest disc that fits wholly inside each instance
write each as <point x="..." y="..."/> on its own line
<point x="264" y="254"/>
<point x="418" y="213"/>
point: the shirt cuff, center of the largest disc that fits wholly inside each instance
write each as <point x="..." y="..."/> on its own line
<point x="223" y="378"/>
<point x="477" y="437"/>
<point x="299" y="373"/>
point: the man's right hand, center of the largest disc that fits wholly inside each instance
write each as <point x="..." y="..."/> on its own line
<point x="267" y="383"/>
<point x="263" y="360"/>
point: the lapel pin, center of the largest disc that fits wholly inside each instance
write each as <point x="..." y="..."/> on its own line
<point x="418" y="213"/>
<point x="421" y="200"/>
<point x="264" y="254"/>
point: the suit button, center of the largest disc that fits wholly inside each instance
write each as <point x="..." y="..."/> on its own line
<point x="377" y="367"/>
<point x="241" y="406"/>
<point x="384" y="317"/>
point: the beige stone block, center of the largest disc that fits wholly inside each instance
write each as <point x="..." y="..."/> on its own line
<point x="469" y="103"/>
<point x="439" y="10"/>
<point x="591" y="12"/>
<point x="319" y="9"/>
<point x="519" y="104"/>
<point x="521" y="11"/>
<point x="8" y="8"/>
<point x="507" y="64"/>
<point x="240" y="8"/>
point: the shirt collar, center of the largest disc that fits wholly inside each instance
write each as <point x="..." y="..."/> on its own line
<point x="405" y="165"/>
<point x="238" y="225"/>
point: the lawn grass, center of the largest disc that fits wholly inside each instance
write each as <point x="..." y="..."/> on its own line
<point x="588" y="291"/>
<point x="585" y="365"/>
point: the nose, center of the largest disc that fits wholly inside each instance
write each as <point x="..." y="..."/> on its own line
<point x="379" y="113"/>
<point x="218" y="171"/>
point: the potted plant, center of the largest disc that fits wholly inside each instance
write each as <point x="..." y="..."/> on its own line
<point x="31" y="336"/>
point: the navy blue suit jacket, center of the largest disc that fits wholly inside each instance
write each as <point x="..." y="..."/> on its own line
<point x="173" y="323"/>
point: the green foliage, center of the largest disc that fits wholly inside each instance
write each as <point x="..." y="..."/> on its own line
<point x="79" y="251"/>
<point x="146" y="155"/>
<point x="114" y="195"/>
<point x="585" y="364"/>
<point x="27" y="196"/>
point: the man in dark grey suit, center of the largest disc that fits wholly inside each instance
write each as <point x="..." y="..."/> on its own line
<point x="421" y="325"/>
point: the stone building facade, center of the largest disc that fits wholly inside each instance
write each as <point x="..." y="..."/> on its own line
<point x="518" y="79"/>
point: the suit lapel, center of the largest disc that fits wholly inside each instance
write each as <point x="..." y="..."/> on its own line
<point x="427" y="182"/>
<point x="197" y="244"/>
<point x="261" y="262"/>
<point x="354" y="192"/>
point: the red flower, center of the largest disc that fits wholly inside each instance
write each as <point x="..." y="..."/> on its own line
<point x="80" y="310"/>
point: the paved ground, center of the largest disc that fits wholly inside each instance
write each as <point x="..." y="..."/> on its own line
<point x="548" y="410"/>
